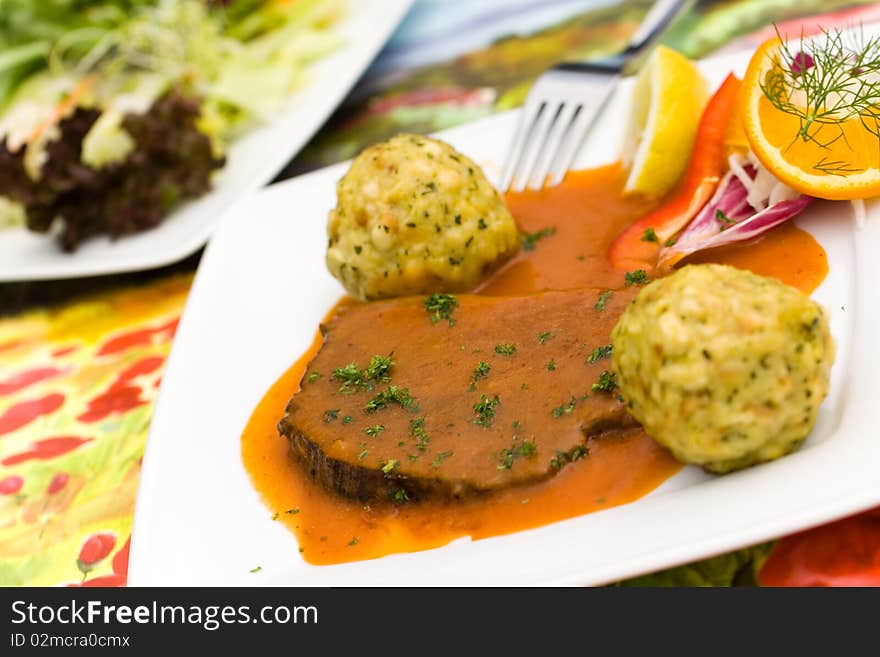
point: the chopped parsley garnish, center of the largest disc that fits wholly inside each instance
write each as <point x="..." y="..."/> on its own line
<point x="353" y="541"/>
<point x="544" y="336"/>
<point x="378" y="368"/>
<point x="725" y="221"/>
<point x="314" y="376"/>
<point x="292" y="511"/>
<point x="391" y="395"/>
<point x="331" y="414"/>
<point x="506" y="349"/>
<point x="417" y="431"/>
<point x="481" y="371"/>
<point x="607" y="382"/>
<point x="389" y="466"/>
<point x="400" y="496"/>
<point x="481" y="224"/>
<point x="650" y="236"/>
<point x="375" y="430"/>
<point x="348" y="419"/>
<point x="485" y="410"/>
<point x="256" y="570"/>
<point x="637" y="277"/>
<point x="574" y="454"/>
<point x="600" y="353"/>
<point x="364" y="454"/>
<point x="440" y="306"/>
<point x="350" y="376"/>
<point x="564" y="409"/>
<point x="353" y="378"/>
<point x="551" y="365"/>
<point x="603" y="299"/>
<point x="670" y="242"/>
<point x="525" y="449"/>
<point x="530" y="239"/>
<point x="442" y="456"/>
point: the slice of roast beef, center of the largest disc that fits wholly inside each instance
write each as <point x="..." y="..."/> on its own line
<point x="506" y="391"/>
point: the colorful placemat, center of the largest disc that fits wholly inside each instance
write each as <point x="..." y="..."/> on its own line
<point x="77" y="387"/>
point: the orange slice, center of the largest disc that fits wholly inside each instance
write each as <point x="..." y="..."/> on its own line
<point x="835" y="159"/>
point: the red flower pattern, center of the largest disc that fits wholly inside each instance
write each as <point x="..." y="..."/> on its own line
<point x="26" y="412"/>
<point x="44" y="450"/>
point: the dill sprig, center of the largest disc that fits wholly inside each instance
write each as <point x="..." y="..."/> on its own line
<point x="824" y="83"/>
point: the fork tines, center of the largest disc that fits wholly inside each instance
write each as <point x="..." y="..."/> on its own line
<point x="554" y="122"/>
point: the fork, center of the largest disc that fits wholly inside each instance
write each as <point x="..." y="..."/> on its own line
<point x="564" y="101"/>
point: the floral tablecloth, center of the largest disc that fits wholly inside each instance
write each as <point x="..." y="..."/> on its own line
<point x="81" y="362"/>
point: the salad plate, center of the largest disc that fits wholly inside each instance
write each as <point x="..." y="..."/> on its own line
<point x="252" y="160"/>
<point x="262" y="289"/>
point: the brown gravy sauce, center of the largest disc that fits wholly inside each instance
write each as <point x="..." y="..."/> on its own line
<point x="587" y="211"/>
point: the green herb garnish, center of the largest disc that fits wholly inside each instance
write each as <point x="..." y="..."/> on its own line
<point x="551" y="365"/>
<point x="603" y="299"/>
<point x="530" y="239"/>
<point x="574" y="454"/>
<point x="485" y="410"/>
<point x="564" y="409"/>
<point x="374" y="430"/>
<point x="506" y="349"/>
<point x="637" y="277"/>
<point x="388" y="466"/>
<point x="353" y="378"/>
<point x="481" y="371"/>
<point x="391" y="395"/>
<point x="524" y="449"/>
<point x="650" y="236"/>
<point x="330" y="415"/>
<point x="440" y="306"/>
<point x="417" y="431"/>
<point x="442" y="456"/>
<point x="600" y="353"/>
<point x="725" y="221"/>
<point x="544" y="336"/>
<point x="607" y="382"/>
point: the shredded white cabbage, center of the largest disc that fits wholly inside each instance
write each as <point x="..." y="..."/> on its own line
<point x="764" y="189"/>
<point x="858" y="206"/>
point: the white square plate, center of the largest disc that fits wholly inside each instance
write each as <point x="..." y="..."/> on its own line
<point x="252" y="161"/>
<point x="258" y="297"/>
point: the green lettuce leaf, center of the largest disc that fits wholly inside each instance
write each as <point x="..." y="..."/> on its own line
<point x="739" y="568"/>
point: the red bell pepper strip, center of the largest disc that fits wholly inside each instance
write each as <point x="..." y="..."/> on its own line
<point x="843" y="553"/>
<point x="630" y="251"/>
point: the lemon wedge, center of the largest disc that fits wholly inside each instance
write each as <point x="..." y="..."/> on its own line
<point x="668" y="100"/>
